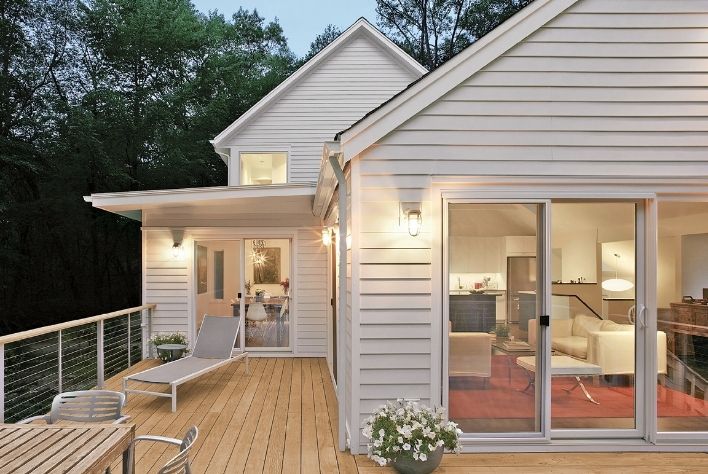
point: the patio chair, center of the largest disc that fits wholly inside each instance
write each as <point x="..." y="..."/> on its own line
<point x="87" y="406"/>
<point x="179" y="463"/>
<point x="215" y="342"/>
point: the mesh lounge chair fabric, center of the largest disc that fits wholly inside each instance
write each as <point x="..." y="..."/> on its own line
<point x="215" y="341"/>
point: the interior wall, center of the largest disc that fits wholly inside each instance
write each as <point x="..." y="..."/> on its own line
<point x="272" y="289"/>
<point x="694" y="262"/>
<point x="668" y="271"/>
<point x="206" y="302"/>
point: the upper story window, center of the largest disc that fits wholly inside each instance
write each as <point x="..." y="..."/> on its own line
<point x="264" y="168"/>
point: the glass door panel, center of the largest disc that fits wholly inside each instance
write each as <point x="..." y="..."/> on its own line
<point x="682" y="317"/>
<point x="495" y="295"/>
<point x="267" y="301"/>
<point x="593" y="316"/>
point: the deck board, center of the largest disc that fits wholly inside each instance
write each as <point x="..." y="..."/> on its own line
<point x="282" y="417"/>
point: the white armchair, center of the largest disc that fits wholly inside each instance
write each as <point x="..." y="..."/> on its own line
<point x="470" y="354"/>
<point x="597" y="341"/>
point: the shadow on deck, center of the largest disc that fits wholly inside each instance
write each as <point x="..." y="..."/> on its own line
<point x="282" y="417"/>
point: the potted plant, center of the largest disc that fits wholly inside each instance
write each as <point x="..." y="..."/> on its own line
<point x="410" y="436"/>
<point x="501" y="331"/>
<point x="259" y="294"/>
<point x="169" y="355"/>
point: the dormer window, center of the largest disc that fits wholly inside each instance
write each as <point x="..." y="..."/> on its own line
<point x="264" y="168"/>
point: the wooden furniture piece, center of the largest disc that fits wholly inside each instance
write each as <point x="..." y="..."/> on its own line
<point x="70" y="448"/>
<point x="562" y="366"/>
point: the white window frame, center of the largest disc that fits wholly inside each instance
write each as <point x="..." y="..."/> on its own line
<point x="234" y="178"/>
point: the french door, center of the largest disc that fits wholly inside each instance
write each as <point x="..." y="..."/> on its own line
<point x="544" y="318"/>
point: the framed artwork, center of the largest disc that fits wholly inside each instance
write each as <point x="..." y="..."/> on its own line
<point x="267" y="270"/>
<point x="202" y="275"/>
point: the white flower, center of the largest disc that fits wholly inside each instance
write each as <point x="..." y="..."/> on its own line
<point x="400" y="439"/>
<point x="406" y="446"/>
<point x="415" y="456"/>
<point x="423" y="457"/>
<point x="377" y="443"/>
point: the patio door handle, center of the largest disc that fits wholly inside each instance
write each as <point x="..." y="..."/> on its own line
<point x="642" y="317"/>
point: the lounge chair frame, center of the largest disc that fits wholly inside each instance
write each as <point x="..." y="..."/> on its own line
<point x="176" y="383"/>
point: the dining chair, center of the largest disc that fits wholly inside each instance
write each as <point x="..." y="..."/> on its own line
<point x="86" y="406"/>
<point x="258" y="317"/>
<point x="179" y="464"/>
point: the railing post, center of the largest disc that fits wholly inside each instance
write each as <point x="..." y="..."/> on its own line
<point x="59" y="363"/>
<point x="129" y="315"/>
<point x="99" y="343"/>
<point x="2" y="383"/>
<point x="146" y="329"/>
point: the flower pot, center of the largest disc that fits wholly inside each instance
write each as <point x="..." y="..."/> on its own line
<point x="170" y="352"/>
<point x="406" y="465"/>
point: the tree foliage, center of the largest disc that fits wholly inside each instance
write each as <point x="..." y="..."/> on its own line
<point x="433" y="31"/>
<point x="330" y="33"/>
<point x="109" y="95"/>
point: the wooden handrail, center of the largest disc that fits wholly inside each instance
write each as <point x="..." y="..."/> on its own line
<point x="18" y="336"/>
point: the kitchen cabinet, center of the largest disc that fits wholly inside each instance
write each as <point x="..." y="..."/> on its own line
<point x="475" y="254"/>
<point x="473" y="313"/>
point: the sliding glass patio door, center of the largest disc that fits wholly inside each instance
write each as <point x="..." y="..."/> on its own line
<point x="495" y="323"/>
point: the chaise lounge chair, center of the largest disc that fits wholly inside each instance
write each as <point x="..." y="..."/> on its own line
<point x="213" y="348"/>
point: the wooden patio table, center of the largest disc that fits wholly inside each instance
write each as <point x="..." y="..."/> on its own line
<point x="66" y="448"/>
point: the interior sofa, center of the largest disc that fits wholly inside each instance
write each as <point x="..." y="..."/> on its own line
<point x="470" y="355"/>
<point x="598" y="341"/>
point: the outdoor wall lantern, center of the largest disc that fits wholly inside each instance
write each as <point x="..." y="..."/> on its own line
<point x="410" y="214"/>
<point x="178" y="251"/>
<point x="327" y="236"/>
<point x="177" y="247"/>
<point x="617" y="284"/>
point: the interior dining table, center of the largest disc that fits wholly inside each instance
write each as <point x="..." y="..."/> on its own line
<point x="66" y="448"/>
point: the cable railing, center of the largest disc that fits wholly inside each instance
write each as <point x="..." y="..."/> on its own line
<point x="38" y="364"/>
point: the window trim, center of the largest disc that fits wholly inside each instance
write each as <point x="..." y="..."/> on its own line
<point x="238" y="152"/>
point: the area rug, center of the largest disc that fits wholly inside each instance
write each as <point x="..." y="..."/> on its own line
<point x="503" y="398"/>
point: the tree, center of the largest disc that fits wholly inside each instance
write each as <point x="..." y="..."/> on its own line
<point x="322" y="40"/>
<point x="433" y="31"/>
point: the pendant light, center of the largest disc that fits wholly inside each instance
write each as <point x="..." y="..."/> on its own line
<point x="617" y="284"/>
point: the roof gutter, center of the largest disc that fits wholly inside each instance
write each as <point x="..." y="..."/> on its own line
<point x="336" y="168"/>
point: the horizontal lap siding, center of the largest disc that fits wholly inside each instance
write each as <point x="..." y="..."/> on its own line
<point x="395" y="303"/>
<point x="345" y="87"/>
<point x="622" y="83"/>
<point x="166" y="283"/>
<point x="607" y="88"/>
<point x="311" y="302"/>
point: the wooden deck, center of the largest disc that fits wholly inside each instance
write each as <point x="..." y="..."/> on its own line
<point x="281" y="417"/>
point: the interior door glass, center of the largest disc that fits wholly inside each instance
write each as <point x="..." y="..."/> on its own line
<point x="493" y="306"/>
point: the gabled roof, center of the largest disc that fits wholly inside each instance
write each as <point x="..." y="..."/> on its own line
<point x="431" y="87"/>
<point x="360" y="27"/>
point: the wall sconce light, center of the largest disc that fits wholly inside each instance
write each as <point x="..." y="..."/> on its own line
<point x="617" y="284"/>
<point x="177" y="251"/>
<point x="411" y="216"/>
<point x="327" y="236"/>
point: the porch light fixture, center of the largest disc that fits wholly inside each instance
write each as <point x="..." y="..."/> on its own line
<point x="177" y="251"/>
<point x="617" y="284"/>
<point x="410" y="212"/>
<point x="327" y="236"/>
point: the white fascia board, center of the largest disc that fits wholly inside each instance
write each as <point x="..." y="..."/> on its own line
<point x="358" y="27"/>
<point x="420" y="95"/>
<point x="145" y="199"/>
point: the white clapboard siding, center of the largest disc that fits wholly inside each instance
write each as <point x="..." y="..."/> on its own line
<point x="166" y="283"/>
<point x="311" y="304"/>
<point x="607" y="88"/>
<point x="352" y="81"/>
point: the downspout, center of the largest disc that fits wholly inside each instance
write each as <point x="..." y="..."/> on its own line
<point x="342" y="307"/>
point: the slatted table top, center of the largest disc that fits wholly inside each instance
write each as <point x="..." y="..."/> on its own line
<point x="75" y="448"/>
